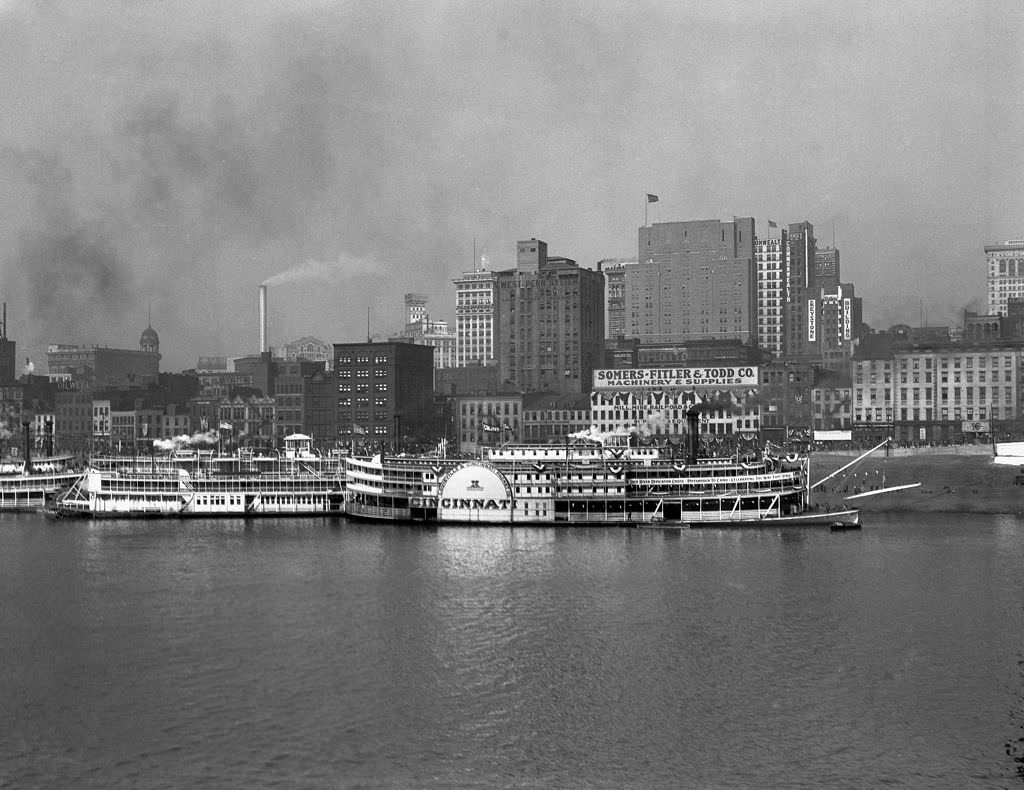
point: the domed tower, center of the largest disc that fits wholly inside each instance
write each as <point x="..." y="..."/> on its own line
<point x="150" y="340"/>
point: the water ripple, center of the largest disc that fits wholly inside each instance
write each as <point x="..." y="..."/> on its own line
<point x="321" y="654"/>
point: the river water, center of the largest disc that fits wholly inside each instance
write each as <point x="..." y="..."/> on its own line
<point x="320" y="653"/>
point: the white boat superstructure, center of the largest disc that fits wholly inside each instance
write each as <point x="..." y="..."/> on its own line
<point x="22" y="490"/>
<point x="202" y="483"/>
<point x="585" y="484"/>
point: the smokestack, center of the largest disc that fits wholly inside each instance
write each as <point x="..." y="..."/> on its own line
<point x="263" y="318"/>
<point x="692" y="435"/>
<point x="28" y="446"/>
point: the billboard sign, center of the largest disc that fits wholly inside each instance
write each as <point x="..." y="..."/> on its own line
<point x="833" y="436"/>
<point x="619" y="378"/>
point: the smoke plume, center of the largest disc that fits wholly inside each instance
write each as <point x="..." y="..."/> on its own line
<point x="184" y="440"/>
<point x="327" y="271"/>
<point x="182" y="153"/>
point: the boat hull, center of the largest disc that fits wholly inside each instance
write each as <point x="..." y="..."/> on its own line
<point x="834" y="520"/>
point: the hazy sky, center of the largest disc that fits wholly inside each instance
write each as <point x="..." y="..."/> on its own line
<point x="181" y="153"/>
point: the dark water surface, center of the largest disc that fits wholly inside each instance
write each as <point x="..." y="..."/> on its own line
<point x="320" y="653"/>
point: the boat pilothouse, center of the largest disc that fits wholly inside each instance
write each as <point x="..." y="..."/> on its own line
<point x="585" y="482"/>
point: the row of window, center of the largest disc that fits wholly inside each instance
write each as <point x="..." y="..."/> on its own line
<point x="362" y="359"/>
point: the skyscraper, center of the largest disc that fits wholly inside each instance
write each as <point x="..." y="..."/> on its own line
<point x="474" y="318"/>
<point x="826" y="267"/>
<point x="421" y="329"/>
<point x="415" y="308"/>
<point x="835" y="321"/>
<point x="614" y="270"/>
<point x="548" y="322"/>
<point x="770" y="255"/>
<point x="694" y="280"/>
<point x="799" y="285"/>
<point x="1005" y="274"/>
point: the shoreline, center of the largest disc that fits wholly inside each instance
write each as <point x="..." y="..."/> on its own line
<point x="958" y="479"/>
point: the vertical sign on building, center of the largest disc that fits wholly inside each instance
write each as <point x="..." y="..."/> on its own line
<point x="812" y="327"/>
<point x="847" y="319"/>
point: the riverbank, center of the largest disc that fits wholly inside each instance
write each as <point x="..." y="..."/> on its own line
<point x="959" y="479"/>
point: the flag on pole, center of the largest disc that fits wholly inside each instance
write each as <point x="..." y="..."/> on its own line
<point x="652" y="198"/>
<point x="772" y="224"/>
<point x="356" y="428"/>
<point x="225" y="426"/>
<point x="491" y="428"/>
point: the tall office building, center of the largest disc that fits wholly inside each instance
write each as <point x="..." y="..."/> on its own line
<point x="549" y="322"/>
<point x="415" y="308"/>
<point x="384" y="389"/>
<point x="826" y="267"/>
<point x="770" y="256"/>
<point x="694" y="280"/>
<point x="1005" y="274"/>
<point x="474" y="318"/>
<point x="421" y="329"/>
<point x="798" y="287"/>
<point x="436" y="334"/>
<point x="833" y="323"/>
<point x="614" y="270"/>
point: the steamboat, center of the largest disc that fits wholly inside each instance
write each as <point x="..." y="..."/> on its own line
<point x="592" y="483"/>
<point x="196" y="482"/>
<point x="31" y="485"/>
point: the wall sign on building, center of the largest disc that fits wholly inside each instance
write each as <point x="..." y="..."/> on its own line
<point x="812" y="328"/>
<point x="617" y="378"/>
<point x="847" y="319"/>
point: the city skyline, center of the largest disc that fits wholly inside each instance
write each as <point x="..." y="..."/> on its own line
<point x="171" y="155"/>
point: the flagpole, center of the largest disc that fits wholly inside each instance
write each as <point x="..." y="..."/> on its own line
<point x="648" y="199"/>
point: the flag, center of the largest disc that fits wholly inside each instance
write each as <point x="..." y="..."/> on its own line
<point x="225" y="426"/>
<point x="356" y="428"/>
<point x="772" y="224"/>
<point x="491" y="428"/>
<point x="652" y="198"/>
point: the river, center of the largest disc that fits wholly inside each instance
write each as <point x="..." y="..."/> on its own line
<point x="320" y="653"/>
